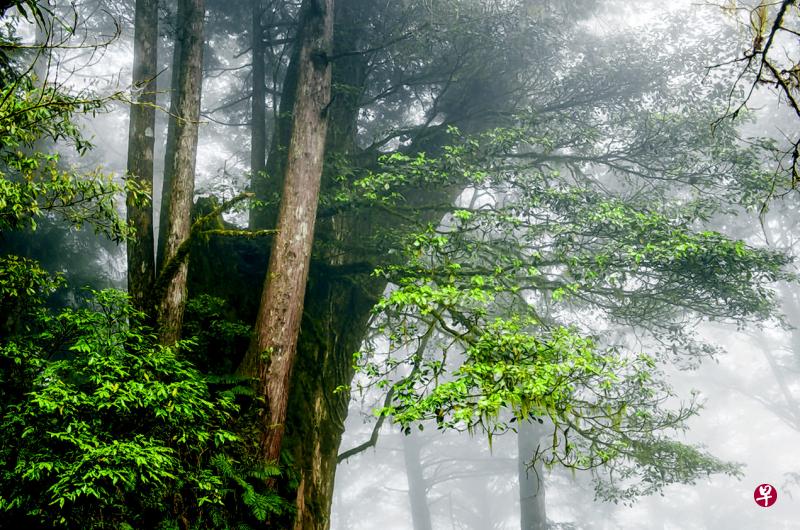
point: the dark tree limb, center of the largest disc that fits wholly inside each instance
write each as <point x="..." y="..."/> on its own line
<point x="373" y="437"/>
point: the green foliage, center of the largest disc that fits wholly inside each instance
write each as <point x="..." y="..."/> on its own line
<point x="101" y="426"/>
<point x="114" y="429"/>
<point x="37" y="190"/>
<point x="245" y="480"/>
<point x="23" y="284"/>
<point x="604" y="408"/>
<point x="23" y="288"/>
<point x="33" y="183"/>
<point x="525" y="287"/>
<point x="637" y="260"/>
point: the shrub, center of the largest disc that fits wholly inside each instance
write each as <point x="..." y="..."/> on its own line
<point x="116" y="430"/>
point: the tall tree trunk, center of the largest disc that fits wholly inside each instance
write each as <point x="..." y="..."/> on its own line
<point x="273" y="350"/>
<point x="258" y="127"/>
<point x="141" y="141"/>
<point x="265" y="217"/>
<point x="417" y="491"/>
<point x="533" y="515"/>
<point x="169" y="151"/>
<point x="337" y="306"/>
<point x="791" y="306"/>
<point x="173" y="298"/>
<point x="44" y="39"/>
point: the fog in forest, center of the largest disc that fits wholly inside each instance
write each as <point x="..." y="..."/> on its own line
<point x="551" y="283"/>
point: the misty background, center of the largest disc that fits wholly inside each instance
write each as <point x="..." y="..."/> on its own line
<point x="750" y="388"/>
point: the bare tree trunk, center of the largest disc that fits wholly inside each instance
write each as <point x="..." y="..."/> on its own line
<point x="417" y="491"/>
<point x="258" y="127"/>
<point x="533" y="515"/>
<point x="173" y="298"/>
<point x="141" y="141"/>
<point x="791" y="304"/>
<point x="261" y="217"/>
<point x="273" y="349"/>
<point x="169" y="152"/>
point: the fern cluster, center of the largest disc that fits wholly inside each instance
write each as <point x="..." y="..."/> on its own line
<point x="114" y="430"/>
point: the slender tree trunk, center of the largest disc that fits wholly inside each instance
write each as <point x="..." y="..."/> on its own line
<point x="533" y="515"/>
<point x="45" y="37"/>
<point x="791" y="305"/>
<point x="141" y="141"/>
<point x="273" y="350"/>
<point x="172" y="301"/>
<point x="417" y="491"/>
<point x="258" y="127"/>
<point x="265" y="217"/>
<point x="169" y="151"/>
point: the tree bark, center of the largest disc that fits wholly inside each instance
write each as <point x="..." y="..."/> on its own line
<point x="533" y="515"/>
<point x="273" y="350"/>
<point x="337" y="308"/>
<point x="141" y="141"/>
<point x="191" y="15"/>
<point x="417" y="491"/>
<point x="169" y="151"/>
<point x="265" y="217"/>
<point x="258" y="127"/>
<point x="336" y="315"/>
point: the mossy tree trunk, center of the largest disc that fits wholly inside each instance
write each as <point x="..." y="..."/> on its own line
<point x="337" y="313"/>
<point x="338" y="304"/>
<point x="340" y="291"/>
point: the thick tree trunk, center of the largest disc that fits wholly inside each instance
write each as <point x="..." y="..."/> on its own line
<point x="533" y="515"/>
<point x="173" y="299"/>
<point x="258" y="127"/>
<point x="417" y="491"/>
<point x="273" y="350"/>
<point x="336" y="316"/>
<point x="337" y="309"/>
<point x="141" y="141"/>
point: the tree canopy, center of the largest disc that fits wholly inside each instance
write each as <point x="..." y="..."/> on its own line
<point x="502" y="214"/>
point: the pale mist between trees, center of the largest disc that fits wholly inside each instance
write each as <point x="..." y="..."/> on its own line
<point x="441" y="264"/>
